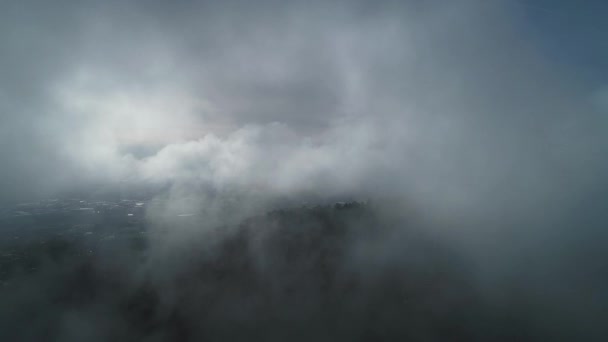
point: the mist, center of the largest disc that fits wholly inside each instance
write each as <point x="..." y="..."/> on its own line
<point x="456" y="123"/>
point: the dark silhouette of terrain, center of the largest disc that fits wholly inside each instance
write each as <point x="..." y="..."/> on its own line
<point x="326" y="273"/>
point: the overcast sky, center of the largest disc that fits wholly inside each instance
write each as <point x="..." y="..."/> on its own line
<point x="487" y="119"/>
<point x="445" y="101"/>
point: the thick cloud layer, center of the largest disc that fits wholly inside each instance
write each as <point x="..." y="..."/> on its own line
<point x="456" y="110"/>
<point x="455" y="107"/>
<point x="449" y="101"/>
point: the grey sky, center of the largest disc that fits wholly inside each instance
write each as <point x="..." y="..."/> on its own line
<point x="454" y="101"/>
<point x="487" y="118"/>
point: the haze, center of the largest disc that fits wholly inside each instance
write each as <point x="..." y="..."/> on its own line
<point x="486" y="118"/>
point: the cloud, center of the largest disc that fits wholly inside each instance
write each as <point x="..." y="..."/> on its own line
<point x="453" y="105"/>
<point x="454" y="110"/>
